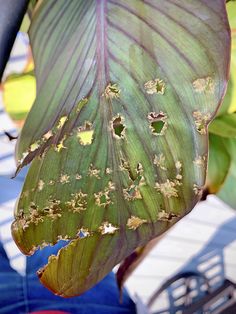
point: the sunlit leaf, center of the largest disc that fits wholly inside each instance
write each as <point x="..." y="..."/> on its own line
<point x="145" y="79"/>
<point x="224" y="126"/>
<point x="221" y="177"/>
<point x="229" y="103"/>
<point x="220" y="161"/>
<point x="19" y="92"/>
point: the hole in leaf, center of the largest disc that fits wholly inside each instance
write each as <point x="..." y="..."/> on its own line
<point x="83" y="233"/>
<point x="85" y="134"/>
<point x="158" y="122"/>
<point x="103" y="199"/>
<point x="160" y="87"/>
<point x="118" y="127"/>
<point x="107" y="228"/>
<point x="157" y="126"/>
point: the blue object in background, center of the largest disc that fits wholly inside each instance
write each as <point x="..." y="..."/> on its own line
<point x="25" y="294"/>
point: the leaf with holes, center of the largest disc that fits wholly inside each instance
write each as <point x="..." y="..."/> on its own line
<point x="117" y="135"/>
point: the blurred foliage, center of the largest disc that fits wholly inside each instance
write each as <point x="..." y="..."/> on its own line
<point x="19" y="92"/>
<point x="221" y="178"/>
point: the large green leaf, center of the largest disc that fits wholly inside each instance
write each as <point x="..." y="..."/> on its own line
<point x="118" y="132"/>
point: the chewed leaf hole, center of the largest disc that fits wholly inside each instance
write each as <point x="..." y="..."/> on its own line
<point x="118" y="127"/>
<point x="157" y="126"/>
<point x="103" y="199"/>
<point x="83" y="233"/>
<point x="85" y="134"/>
<point x="157" y="122"/>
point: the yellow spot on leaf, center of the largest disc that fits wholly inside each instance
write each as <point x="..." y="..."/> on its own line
<point x="178" y="165"/>
<point x="61" y="122"/>
<point x="159" y="161"/>
<point x="200" y="161"/>
<point x="47" y="135"/>
<point x="164" y="216"/>
<point x="111" y="91"/>
<point x="78" y="176"/>
<point x="40" y="185"/>
<point x="168" y="188"/>
<point x="64" y="178"/>
<point x="156" y="86"/>
<point x="93" y="172"/>
<point x="108" y="171"/>
<point x="102" y="198"/>
<point x="34" y="146"/>
<point x="78" y="202"/>
<point x="85" y="134"/>
<point x="205" y="84"/>
<point x="201" y="121"/>
<point x="135" y="222"/>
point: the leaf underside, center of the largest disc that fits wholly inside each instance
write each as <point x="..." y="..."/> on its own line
<point x="118" y="132"/>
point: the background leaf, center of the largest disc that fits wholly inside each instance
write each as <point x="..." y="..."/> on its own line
<point x="222" y="163"/>
<point x="118" y="131"/>
<point x="224" y="126"/>
<point x="11" y="16"/>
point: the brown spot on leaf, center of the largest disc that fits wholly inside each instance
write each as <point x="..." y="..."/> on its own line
<point x="64" y="178"/>
<point x="159" y="161"/>
<point x="40" y="185"/>
<point x="93" y="172"/>
<point x="201" y="121"/>
<point x="78" y="202"/>
<point x="164" y="216"/>
<point x="112" y="91"/>
<point x="168" y="188"/>
<point x="205" y="84"/>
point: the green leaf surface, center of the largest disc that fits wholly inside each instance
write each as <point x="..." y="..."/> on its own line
<point x="229" y="103"/>
<point x="219" y="163"/>
<point x="221" y="175"/>
<point x="222" y="162"/>
<point x="117" y="135"/>
<point x="224" y="126"/>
